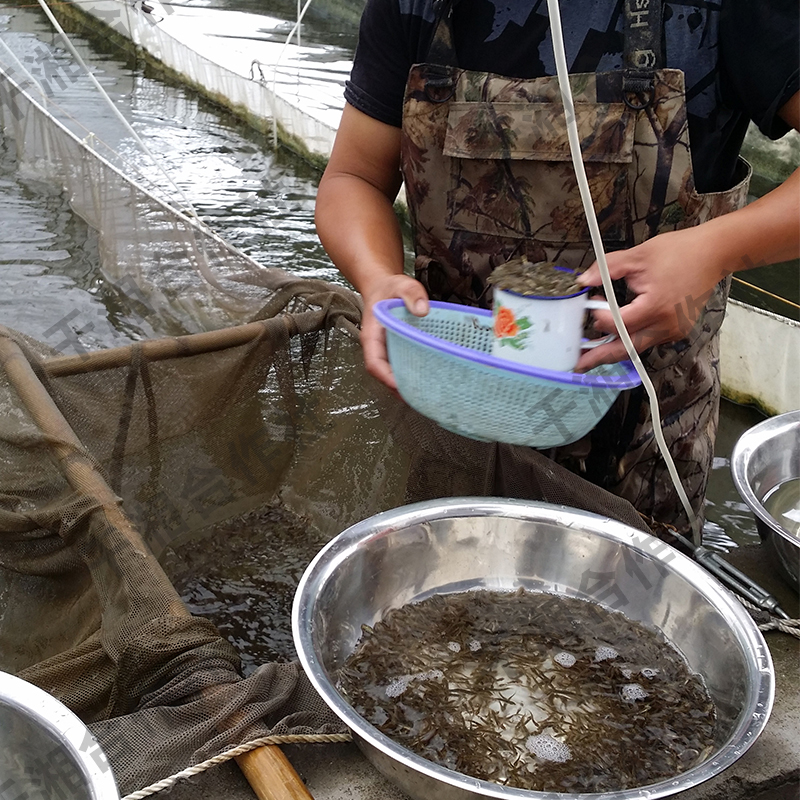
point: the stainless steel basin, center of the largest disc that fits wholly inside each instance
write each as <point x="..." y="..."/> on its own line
<point x="45" y="750"/>
<point x="764" y="458"/>
<point x="466" y="543"/>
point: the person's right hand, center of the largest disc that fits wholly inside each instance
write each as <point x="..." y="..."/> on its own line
<point x="373" y="334"/>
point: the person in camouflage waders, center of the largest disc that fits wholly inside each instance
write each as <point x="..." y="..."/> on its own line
<point x="488" y="177"/>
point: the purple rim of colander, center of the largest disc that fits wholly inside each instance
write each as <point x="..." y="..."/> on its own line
<point x="383" y="308"/>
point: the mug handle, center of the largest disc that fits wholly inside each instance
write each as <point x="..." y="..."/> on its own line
<point x="590" y="344"/>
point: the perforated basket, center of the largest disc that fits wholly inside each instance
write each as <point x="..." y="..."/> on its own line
<point x="444" y="369"/>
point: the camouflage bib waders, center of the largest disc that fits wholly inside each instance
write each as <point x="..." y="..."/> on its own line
<point x="489" y="177"/>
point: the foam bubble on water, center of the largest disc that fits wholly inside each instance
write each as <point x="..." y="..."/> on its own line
<point x="605" y="653"/>
<point x="649" y="672"/>
<point x="430" y="675"/>
<point x="398" y="685"/>
<point x="474" y="646"/>
<point x="548" y="748"/>
<point x="454" y="646"/>
<point x="633" y="692"/>
<point x="564" y="658"/>
<point x="627" y="672"/>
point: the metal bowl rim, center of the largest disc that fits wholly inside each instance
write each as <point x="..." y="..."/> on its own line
<point x="66" y="728"/>
<point x="751" y="721"/>
<point x="740" y="457"/>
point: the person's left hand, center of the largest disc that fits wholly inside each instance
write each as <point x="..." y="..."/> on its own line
<point x="672" y="276"/>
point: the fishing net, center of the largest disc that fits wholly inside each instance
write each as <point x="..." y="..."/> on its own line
<point x="244" y="391"/>
<point x="112" y="457"/>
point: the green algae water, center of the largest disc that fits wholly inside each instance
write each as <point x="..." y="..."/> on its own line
<point x="531" y="690"/>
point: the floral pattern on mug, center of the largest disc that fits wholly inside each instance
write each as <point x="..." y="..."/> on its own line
<point x="509" y="329"/>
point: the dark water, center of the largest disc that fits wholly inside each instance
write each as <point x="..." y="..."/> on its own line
<point x="49" y="264"/>
<point x="243" y="575"/>
<point x="729" y="521"/>
<point x="532" y="691"/>
<point x="775" y="288"/>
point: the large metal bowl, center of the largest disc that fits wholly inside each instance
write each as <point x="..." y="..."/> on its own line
<point x="45" y="750"/>
<point x="464" y="543"/>
<point x="764" y="457"/>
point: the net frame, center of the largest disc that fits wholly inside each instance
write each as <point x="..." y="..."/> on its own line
<point x="101" y="510"/>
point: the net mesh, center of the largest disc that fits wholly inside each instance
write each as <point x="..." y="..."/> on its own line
<point x="112" y="459"/>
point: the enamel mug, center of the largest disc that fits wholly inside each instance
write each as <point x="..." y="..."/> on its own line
<point x="543" y="332"/>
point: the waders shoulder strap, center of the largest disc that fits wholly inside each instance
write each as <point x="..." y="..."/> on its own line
<point x="644" y="52"/>
<point x="441" y="49"/>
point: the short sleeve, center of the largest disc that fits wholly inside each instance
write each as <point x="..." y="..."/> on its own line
<point x="760" y="59"/>
<point x="388" y="44"/>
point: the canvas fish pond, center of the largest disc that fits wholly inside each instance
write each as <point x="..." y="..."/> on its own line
<point x="531" y="690"/>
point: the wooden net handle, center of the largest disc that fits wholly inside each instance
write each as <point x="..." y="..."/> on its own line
<point x="271" y="776"/>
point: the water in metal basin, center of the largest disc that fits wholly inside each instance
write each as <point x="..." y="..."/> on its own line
<point x="531" y="690"/>
<point x="783" y="503"/>
<point x="33" y="765"/>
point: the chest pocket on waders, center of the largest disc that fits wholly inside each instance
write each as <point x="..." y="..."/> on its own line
<point x="511" y="172"/>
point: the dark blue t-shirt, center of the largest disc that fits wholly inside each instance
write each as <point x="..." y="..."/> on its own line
<point x="741" y="59"/>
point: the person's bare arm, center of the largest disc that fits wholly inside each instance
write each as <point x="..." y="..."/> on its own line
<point x="358" y="227"/>
<point x="674" y="273"/>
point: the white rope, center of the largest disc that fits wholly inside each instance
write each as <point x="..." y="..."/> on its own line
<point x="597" y="243"/>
<point x="190" y="210"/>
<point x="234" y="752"/>
<point x="790" y="626"/>
<point x="91" y="140"/>
<point x="201" y="262"/>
